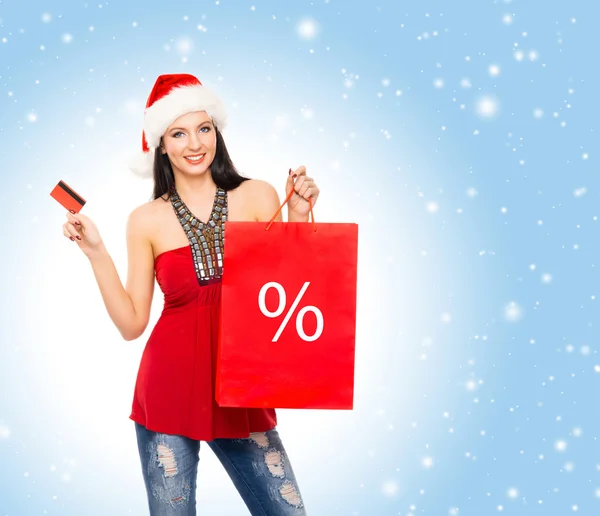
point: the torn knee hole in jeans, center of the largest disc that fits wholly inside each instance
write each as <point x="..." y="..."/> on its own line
<point x="290" y="494"/>
<point x="166" y="459"/>
<point x="274" y="463"/>
<point x="260" y="439"/>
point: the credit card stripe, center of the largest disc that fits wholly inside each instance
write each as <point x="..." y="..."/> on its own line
<point x="71" y="193"/>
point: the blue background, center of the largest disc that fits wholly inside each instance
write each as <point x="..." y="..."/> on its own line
<point x="462" y="137"/>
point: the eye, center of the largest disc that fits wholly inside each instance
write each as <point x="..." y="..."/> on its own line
<point x="205" y="127"/>
<point x="175" y="135"/>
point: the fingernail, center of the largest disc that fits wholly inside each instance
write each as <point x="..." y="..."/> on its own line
<point x="72" y="211"/>
<point x="290" y="172"/>
<point x="295" y="176"/>
<point x="72" y="239"/>
<point x="78" y="237"/>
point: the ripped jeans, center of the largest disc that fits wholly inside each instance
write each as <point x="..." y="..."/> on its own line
<point x="258" y="467"/>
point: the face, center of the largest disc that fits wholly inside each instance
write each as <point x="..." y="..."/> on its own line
<point x="191" y="143"/>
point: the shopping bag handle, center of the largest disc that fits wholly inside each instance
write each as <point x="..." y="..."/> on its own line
<point x="289" y="196"/>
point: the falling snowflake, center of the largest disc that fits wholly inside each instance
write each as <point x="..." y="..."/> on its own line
<point x="307" y="29"/>
<point x="512" y="312"/>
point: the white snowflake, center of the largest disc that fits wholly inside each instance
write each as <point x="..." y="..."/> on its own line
<point x="560" y="445"/>
<point x="307" y="28"/>
<point x="4" y="431"/>
<point x="184" y="45"/>
<point x="487" y="107"/>
<point x="390" y="488"/>
<point x="432" y="207"/>
<point x="513" y="312"/>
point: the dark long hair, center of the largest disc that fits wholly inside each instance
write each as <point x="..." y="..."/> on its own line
<point x="222" y="170"/>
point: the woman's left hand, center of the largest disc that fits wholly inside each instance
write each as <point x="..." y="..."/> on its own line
<point x="304" y="189"/>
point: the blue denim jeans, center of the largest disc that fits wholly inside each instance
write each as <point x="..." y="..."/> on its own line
<point x="258" y="467"/>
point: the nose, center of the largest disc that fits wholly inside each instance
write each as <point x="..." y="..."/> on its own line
<point x="194" y="141"/>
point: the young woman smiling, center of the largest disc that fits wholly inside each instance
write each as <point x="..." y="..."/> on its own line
<point x="178" y="238"/>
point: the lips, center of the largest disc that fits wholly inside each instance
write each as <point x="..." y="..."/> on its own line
<point x="194" y="160"/>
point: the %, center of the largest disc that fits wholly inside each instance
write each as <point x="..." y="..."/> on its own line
<point x="299" y="318"/>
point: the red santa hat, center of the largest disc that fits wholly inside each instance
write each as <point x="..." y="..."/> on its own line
<point x="173" y="95"/>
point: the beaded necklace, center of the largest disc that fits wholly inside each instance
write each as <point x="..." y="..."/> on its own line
<point x="206" y="239"/>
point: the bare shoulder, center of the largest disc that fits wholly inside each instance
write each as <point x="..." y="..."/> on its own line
<point x="254" y="187"/>
<point x="141" y="220"/>
<point x="260" y="198"/>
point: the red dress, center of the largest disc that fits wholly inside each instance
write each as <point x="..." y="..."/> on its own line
<point x="175" y="386"/>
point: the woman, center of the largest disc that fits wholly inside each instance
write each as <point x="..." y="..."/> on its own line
<point x="178" y="237"/>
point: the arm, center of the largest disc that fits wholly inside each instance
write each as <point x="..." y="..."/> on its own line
<point x="128" y="308"/>
<point x="265" y="201"/>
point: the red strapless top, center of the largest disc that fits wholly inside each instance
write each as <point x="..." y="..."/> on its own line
<point x="175" y="386"/>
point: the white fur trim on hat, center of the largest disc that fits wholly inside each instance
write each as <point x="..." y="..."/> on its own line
<point x="180" y="101"/>
<point x="142" y="164"/>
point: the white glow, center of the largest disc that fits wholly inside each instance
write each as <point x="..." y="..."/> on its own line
<point x="4" y="431"/>
<point x="513" y="312"/>
<point x="487" y="107"/>
<point x="184" y="45"/>
<point x="432" y="207"/>
<point x="390" y="488"/>
<point x="307" y="28"/>
<point x="560" y="445"/>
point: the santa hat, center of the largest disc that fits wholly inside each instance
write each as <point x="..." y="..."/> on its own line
<point x="173" y="95"/>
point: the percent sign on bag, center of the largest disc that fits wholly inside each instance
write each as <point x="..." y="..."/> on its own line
<point x="288" y="314"/>
<point x="299" y="318"/>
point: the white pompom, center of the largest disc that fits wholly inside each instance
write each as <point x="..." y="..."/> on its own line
<point x="142" y="164"/>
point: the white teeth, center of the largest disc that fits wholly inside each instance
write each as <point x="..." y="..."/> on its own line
<point x="197" y="158"/>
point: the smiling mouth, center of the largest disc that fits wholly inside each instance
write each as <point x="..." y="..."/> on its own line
<point x="195" y="159"/>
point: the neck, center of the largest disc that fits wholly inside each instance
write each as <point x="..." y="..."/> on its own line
<point x="195" y="188"/>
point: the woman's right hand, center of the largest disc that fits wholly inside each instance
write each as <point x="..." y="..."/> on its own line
<point x="80" y="229"/>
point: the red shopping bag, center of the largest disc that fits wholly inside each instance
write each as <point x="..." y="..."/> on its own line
<point x="288" y="315"/>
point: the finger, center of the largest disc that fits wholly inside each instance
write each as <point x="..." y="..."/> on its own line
<point x="312" y="194"/>
<point x="66" y="234"/>
<point x="77" y="219"/>
<point x="300" y="171"/>
<point x="307" y="186"/>
<point x="73" y="218"/>
<point x="299" y="182"/>
<point x="71" y="230"/>
<point x="303" y="190"/>
<point x="289" y="184"/>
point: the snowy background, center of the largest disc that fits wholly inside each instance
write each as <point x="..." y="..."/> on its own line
<point x="461" y="136"/>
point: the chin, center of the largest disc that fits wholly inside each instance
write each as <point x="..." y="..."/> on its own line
<point x="192" y="170"/>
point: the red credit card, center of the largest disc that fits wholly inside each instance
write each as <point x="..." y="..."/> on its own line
<point x="66" y="196"/>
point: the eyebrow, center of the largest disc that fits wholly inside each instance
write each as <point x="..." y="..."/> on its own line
<point x="183" y="128"/>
